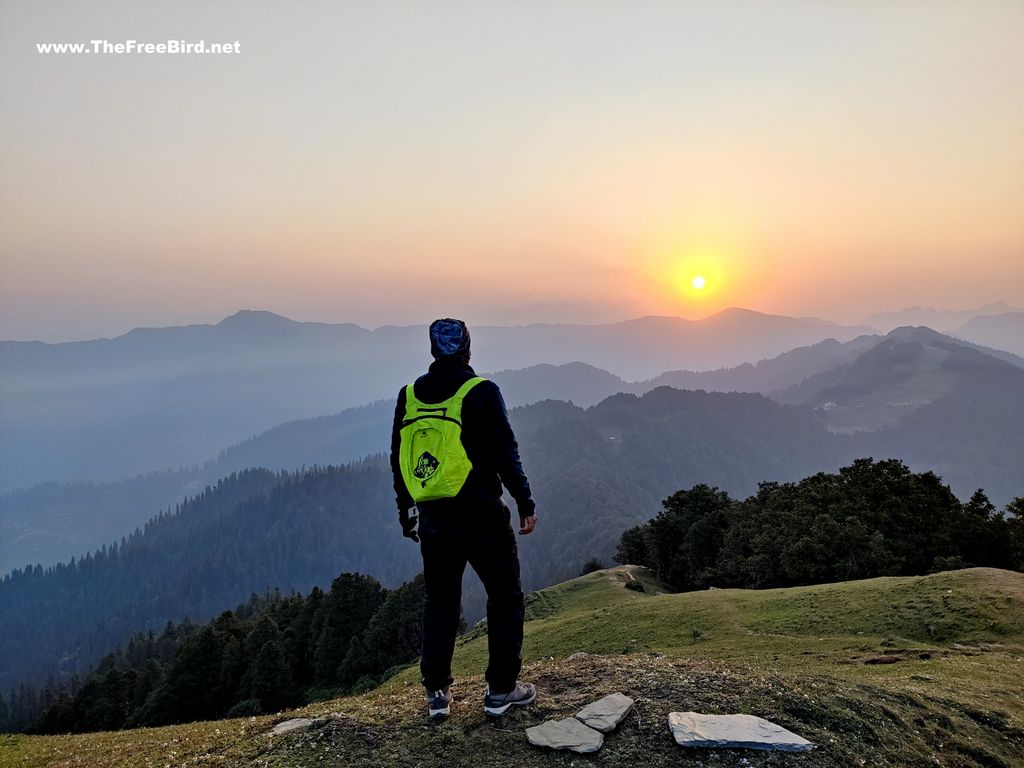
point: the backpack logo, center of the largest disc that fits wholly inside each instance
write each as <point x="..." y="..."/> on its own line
<point x="426" y="466"/>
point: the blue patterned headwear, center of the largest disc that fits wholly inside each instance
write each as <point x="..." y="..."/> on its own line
<point x="449" y="338"/>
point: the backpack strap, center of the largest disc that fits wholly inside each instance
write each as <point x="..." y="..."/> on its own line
<point x="451" y="408"/>
<point x="411" y="403"/>
<point x="455" y="401"/>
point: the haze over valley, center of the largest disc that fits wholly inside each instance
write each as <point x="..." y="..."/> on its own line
<point x="913" y="393"/>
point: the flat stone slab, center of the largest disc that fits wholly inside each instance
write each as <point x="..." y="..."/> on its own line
<point x="295" y="724"/>
<point x="565" y="734"/>
<point x="692" y="729"/>
<point x="605" y="714"/>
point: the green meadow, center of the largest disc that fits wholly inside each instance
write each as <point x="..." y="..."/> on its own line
<point x="917" y="671"/>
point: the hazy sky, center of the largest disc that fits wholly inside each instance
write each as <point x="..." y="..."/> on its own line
<point x="387" y="162"/>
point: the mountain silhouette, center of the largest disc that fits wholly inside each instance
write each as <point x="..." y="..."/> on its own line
<point x="907" y="370"/>
<point x="1004" y="331"/>
<point x="940" y="319"/>
<point x="153" y="398"/>
<point x="54" y="521"/>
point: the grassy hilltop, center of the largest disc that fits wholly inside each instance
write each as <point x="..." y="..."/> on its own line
<point x="919" y="671"/>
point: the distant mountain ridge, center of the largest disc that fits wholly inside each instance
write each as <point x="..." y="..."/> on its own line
<point x="1004" y="331"/>
<point x="161" y="397"/>
<point x="942" y="320"/>
<point x="52" y="522"/>
<point x="908" y="369"/>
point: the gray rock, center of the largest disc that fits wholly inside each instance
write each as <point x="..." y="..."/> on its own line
<point x="604" y="714"/>
<point x="692" y="729"/>
<point x="578" y="655"/>
<point x="295" y="724"/>
<point x="565" y="734"/>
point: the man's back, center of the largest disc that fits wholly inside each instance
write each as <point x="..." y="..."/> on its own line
<point x="471" y="527"/>
<point x="487" y="437"/>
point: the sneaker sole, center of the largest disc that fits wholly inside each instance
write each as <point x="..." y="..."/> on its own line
<point x="438" y="714"/>
<point x="499" y="711"/>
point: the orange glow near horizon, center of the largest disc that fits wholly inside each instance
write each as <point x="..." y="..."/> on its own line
<point x="695" y="281"/>
<point x="698" y="278"/>
<point x="831" y="160"/>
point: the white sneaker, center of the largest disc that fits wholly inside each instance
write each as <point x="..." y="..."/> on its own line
<point x="438" y="703"/>
<point x="497" y="704"/>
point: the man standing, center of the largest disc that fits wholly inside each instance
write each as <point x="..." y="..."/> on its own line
<point x="452" y="449"/>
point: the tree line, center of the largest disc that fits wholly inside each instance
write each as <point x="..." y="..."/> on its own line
<point x="270" y="653"/>
<point x="871" y="518"/>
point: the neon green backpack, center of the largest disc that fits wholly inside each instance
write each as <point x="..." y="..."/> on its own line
<point x="433" y="462"/>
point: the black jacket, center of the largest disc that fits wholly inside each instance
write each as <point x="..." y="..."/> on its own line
<point x="486" y="435"/>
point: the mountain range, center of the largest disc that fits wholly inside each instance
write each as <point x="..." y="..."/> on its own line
<point x="906" y="370"/>
<point x="1004" y="331"/>
<point x="595" y="471"/>
<point x="868" y="383"/>
<point x="944" y="320"/>
<point x="154" y="398"/>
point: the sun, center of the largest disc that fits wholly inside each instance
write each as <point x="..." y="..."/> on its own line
<point x="695" y="279"/>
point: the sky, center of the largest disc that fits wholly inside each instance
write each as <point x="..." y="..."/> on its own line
<point x="508" y="162"/>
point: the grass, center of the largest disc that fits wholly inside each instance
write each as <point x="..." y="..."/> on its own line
<point x="923" y="671"/>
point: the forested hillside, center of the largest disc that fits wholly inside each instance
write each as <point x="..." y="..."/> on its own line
<point x="869" y="519"/>
<point x="595" y="472"/>
<point x="52" y="522"/>
<point x="974" y="437"/>
<point x="271" y="652"/>
<point x="253" y="530"/>
<point x="907" y="370"/>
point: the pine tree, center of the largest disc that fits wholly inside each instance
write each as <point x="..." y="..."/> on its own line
<point x="1014" y="518"/>
<point x="391" y="638"/>
<point x="980" y="534"/>
<point x="272" y="679"/>
<point x="299" y="640"/>
<point x="632" y="546"/>
<point x="185" y="695"/>
<point x="347" y="611"/>
<point x="231" y="686"/>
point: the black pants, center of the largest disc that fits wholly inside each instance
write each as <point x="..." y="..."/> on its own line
<point x="450" y="536"/>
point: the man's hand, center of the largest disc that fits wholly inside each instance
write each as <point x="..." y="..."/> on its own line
<point x="527" y="524"/>
<point x="409" y="524"/>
